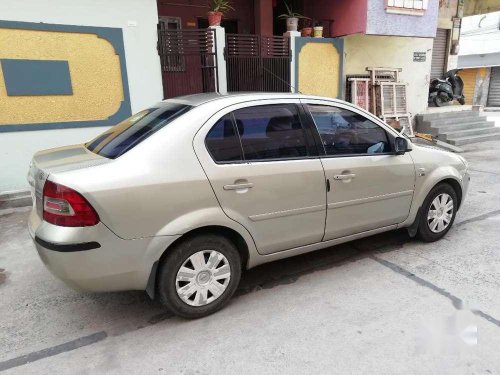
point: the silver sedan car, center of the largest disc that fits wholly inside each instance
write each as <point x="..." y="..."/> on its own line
<point x="182" y="197"/>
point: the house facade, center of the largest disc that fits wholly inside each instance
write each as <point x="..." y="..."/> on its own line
<point x="102" y="62"/>
<point x="479" y="57"/>
<point x="109" y="59"/>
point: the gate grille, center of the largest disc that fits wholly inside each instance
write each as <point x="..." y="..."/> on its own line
<point x="258" y="63"/>
<point x="188" y="61"/>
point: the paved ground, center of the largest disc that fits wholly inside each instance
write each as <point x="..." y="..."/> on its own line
<point x="386" y="304"/>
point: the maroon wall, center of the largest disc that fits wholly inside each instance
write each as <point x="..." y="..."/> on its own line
<point x="349" y="16"/>
<point x="263" y="17"/>
<point x="190" y="10"/>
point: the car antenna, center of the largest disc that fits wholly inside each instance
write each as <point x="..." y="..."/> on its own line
<point x="282" y="80"/>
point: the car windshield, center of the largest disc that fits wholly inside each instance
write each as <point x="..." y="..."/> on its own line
<point x="132" y="131"/>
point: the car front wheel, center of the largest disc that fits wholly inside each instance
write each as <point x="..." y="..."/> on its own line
<point x="439" y="210"/>
<point x="199" y="276"/>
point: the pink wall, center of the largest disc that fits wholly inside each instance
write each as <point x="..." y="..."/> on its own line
<point x="349" y="16"/>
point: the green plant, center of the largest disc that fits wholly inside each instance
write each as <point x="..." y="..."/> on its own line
<point x="220" y="6"/>
<point x="290" y="13"/>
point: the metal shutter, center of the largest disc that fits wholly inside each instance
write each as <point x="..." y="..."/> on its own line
<point x="469" y="78"/>
<point x="439" y="52"/>
<point x="494" y="91"/>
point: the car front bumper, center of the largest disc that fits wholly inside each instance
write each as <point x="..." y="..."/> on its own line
<point x="94" y="258"/>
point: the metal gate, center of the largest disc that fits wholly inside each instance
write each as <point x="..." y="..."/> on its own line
<point x="494" y="90"/>
<point x="258" y="63"/>
<point x="439" y="52"/>
<point x="188" y="61"/>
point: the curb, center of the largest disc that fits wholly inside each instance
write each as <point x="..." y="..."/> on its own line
<point x="15" y="199"/>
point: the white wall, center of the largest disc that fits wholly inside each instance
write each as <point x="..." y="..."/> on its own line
<point x="480" y="34"/>
<point x="143" y="69"/>
<point x="362" y="51"/>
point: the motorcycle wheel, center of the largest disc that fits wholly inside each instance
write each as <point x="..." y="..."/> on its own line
<point x="438" y="101"/>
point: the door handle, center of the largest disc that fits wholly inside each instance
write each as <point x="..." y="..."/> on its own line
<point x="245" y="185"/>
<point x="344" y="176"/>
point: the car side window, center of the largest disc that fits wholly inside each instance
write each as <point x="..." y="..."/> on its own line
<point x="271" y="132"/>
<point x="344" y="132"/>
<point x="222" y="141"/>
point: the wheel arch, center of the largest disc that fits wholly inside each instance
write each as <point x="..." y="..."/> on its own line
<point x="439" y="176"/>
<point x="229" y="233"/>
<point x="455" y="185"/>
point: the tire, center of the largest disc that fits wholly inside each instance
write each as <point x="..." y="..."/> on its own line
<point x="195" y="291"/>
<point x="438" y="101"/>
<point x="431" y="229"/>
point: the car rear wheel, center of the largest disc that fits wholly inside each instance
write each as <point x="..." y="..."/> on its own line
<point x="199" y="276"/>
<point x="439" y="210"/>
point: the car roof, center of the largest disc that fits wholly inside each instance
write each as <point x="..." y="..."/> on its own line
<point x="199" y="99"/>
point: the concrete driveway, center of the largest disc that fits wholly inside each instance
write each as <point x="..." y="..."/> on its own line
<point x="386" y="304"/>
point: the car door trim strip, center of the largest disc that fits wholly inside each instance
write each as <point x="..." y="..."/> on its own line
<point x="369" y="199"/>
<point x="295" y="211"/>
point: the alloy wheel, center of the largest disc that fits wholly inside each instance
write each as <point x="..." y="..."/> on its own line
<point x="203" y="278"/>
<point x="440" y="213"/>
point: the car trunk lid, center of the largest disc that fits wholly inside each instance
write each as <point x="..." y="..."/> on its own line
<point x="58" y="160"/>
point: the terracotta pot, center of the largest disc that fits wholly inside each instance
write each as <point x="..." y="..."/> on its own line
<point x="292" y="23"/>
<point x="214" y="18"/>
<point x="306" y="31"/>
<point x="318" y="31"/>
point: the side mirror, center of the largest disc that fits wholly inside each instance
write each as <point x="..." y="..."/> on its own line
<point x="401" y="146"/>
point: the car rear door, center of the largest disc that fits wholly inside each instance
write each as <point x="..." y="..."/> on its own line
<point x="263" y="165"/>
<point x="370" y="186"/>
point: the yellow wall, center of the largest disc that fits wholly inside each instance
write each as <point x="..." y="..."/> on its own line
<point x="319" y="65"/>
<point x="94" y="70"/>
<point x="469" y="78"/>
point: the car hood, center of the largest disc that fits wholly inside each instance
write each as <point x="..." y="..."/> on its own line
<point x="435" y="154"/>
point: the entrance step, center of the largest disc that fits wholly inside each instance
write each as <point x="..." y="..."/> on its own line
<point x="459" y="141"/>
<point x="457" y="127"/>
<point x="453" y="134"/>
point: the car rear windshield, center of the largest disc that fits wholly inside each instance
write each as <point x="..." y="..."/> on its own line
<point x="132" y="131"/>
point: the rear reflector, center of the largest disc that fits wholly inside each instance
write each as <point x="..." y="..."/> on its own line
<point x="65" y="207"/>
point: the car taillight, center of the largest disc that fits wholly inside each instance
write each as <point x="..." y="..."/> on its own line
<point x="65" y="207"/>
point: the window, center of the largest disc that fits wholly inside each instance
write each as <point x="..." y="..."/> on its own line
<point x="344" y="132"/>
<point x="222" y="141"/>
<point x="169" y="23"/>
<point x="129" y="133"/>
<point x="271" y="132"/>
<point x="413" y="7"/>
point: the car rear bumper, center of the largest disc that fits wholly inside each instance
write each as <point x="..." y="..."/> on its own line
<point x="94" y="258"/>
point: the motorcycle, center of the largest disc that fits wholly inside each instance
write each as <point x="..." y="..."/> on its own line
<point x="446" y="90"/>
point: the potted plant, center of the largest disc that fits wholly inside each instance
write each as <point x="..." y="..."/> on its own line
<point x="217" y="9"/>
<point x="307" y="28"/>
<point x="292" y="19"/>
<point x="318" y="30"/>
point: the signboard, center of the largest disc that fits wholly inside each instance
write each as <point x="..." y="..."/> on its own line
<point x="419" y="56"/>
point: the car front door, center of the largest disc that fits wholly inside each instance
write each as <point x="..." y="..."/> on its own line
<point x="263" y="166"/>
<point x="370" y="187"/>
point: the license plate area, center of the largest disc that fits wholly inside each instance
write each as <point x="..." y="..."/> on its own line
<point x="36" y="179"/>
